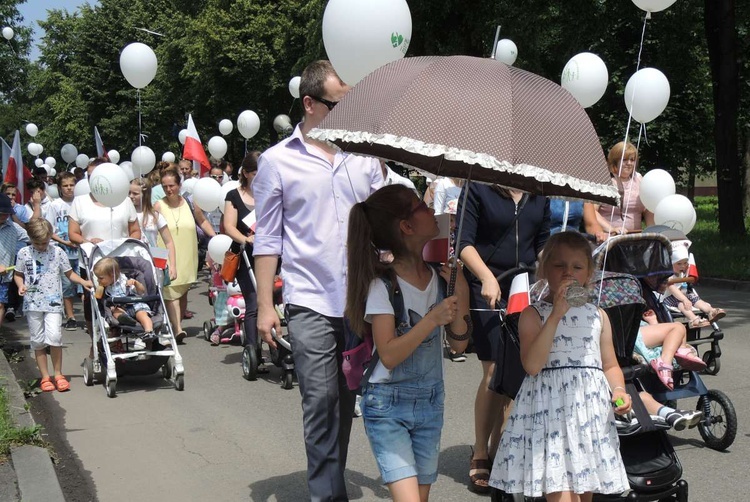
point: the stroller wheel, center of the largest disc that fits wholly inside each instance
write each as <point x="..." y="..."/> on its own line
<point x="166" y="371"/>
<point x="287" y="381"/>
<point x="719" y="426"/>
<point x="111" y="386"/>
<point x="249" y="363"/>
<point x="207" y="330"/>
<point x="179" y="382"/>
<point x="88" y="372"/>
<point x="713" y="363"/>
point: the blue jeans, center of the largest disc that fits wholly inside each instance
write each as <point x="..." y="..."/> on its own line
<point x="403" y="424"/>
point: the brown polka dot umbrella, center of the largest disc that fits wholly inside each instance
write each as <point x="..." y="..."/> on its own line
<point x="475" y="118"/>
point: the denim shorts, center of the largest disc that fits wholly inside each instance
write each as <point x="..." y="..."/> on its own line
<point x="403" y="425"/>
<point x="4" y="286"/>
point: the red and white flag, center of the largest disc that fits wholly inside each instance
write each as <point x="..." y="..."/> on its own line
<point x="436" y="250"/>
<point x="519" y="294"/>
<point x="159" y="256"/>
<point x="101" y="151"/>
<point x="193" y="149"/>
<point x="692" y="267"/>
<point x="15" y="171"/>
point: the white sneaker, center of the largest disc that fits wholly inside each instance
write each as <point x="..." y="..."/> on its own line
<point x="139" y="344"/>
<point x="357" y="408"/>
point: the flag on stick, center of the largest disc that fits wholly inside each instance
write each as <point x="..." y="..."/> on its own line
<point x="15" y="171"/>
<point x="692" y="267"/>
<point x="519" y="294"/>
<point x="193" y="148"/>
<point x="101" y="151"/>
<point x="436" y="250"/>
<point x="6" y="154"/>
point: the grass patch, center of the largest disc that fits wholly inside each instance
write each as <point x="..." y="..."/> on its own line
<point x="10" y="435"/>
<point x="716" y="256"/>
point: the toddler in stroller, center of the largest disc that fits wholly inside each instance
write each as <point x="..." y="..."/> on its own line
<point x="113" y="284"/>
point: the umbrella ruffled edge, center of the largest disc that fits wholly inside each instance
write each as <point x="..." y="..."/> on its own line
<point x="456" y="154"/>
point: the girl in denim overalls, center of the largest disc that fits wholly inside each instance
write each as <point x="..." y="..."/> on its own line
<point x="403" y="401"/>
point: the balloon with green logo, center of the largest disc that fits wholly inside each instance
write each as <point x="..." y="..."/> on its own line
<point x="109" y="184"/>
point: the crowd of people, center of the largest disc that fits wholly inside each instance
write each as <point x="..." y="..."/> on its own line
<point x="324" y="218"/>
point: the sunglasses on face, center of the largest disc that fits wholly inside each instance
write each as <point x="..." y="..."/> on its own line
<point x="328" y="104"/>
<point x="217" y="176"/>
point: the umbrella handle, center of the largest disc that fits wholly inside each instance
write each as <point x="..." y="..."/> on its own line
<point x="452" y="281"/>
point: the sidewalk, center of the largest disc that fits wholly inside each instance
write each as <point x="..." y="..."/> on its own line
<point x="30" y="474"/>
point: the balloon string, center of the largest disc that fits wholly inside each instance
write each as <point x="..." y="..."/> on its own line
<point x="245" y="147"/>
<point x="292" y="107"/>
<point x="138" y="93"/>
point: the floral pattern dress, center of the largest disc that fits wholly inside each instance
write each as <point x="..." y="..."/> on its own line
<point x="561" y="435"/>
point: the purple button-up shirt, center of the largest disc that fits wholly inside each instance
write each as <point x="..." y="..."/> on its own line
<point x="302" y="204"/>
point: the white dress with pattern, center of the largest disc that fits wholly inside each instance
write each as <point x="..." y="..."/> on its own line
<point x="561" y="435"/>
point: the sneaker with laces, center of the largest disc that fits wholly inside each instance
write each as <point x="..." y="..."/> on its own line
<point x="682" y="419"/>
<point x="139" y="344"/>
<point x="70" y="324"/>
<point x="148" y="335"/>
<point x="457" y="357"/>
<point x="10" y="314"/>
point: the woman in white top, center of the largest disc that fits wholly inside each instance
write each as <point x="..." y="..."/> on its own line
<point x="446" y="190"/>
<point x="152" y="222"/>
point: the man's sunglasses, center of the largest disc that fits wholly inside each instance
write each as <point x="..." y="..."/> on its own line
<point x="328" y="104"/>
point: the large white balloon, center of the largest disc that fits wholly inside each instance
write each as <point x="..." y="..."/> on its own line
<point x="52" y="192"/>
<point x="294" y="87"/>
<point x="127" y="168"/>
<point x="50" y="161"/>
<point x="138" y="64"/>
<point x="35" y="149"/>
<point x="585" y="77"/>
<point x="248" y="123"/>
<point x="217" y="147"/>
<point x="506" y="51"/>
<point x="647" y="94"/>
<point x="82" y="187"/>
<point x="182" y="135"/>
<point x="82" y="161"/>
<point x="675" y="211"/>
<point x="225" y="189"/>
<point x="8" y="33"/>
<point x="282" y="124"/>
<point x="38" y="162"/>
<point x="109" y="184"/>
<point x="68" y="153"/>
<point x="188" y="186"/>
<point x="653" y="5"/>
<point x="32" y="130"/>
<point x="362" y="35"/>
<point x="143" y="159"/>
<point x="225" y="126"/>
<point x="655" y="186"/>
<point x="114" y="156"/>
<point x="207" y="194"/>
<point x="218" y="246"/>
<point x="168" y="157"/>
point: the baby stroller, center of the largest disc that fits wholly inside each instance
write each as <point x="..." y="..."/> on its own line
<point x="112" y="349"/>
<point x="231" y="314"/>
<point x="648" y="257"/>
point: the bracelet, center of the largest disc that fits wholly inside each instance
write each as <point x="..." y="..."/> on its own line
<point x="460" y="338"/>
<point x="618" y="387"/>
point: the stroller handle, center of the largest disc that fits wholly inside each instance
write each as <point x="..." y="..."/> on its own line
<point x="126" y="300"/>
<point x="280" y="340"/>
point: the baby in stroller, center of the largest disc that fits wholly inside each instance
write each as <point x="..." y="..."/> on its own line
<point x="114" y="284"/>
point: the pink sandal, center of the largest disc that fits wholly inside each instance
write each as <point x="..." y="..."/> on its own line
<point x="688" y="359"/>
<point x="664" y="372"/>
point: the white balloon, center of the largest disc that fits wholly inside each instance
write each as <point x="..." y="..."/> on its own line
<point x="217" y="147"/>
<point x="653" y="5"/>
<point x="52" y="192"/>
<point x="32" y="130"/>
<point x="675" y="211"/>
<point x="50" y="161"/>
<point x="282" y="124"/>
<point x="38" y="162"/>
<point x="68" y="153"/>
<point x="188" y="186"/>
<point x="143" y="159"/>
<point x="207" y="194"/>
<point x="218" y="246"/>
<point x="46" y="168"/>
<point x="8" y="33"/>
<point x="109" y="184"/>
<point x="114" y="156"/>
<point x="506" y="51"/>
<point x="294" y="87"/>
<point x="127" y="168"/>
<point x="168" y="157"/>
<point x="655" y="186"/>
<point x="182" y="135"/>
<point x="225" y="126"/>
<point x="138" y="64"/>
<point x="82" y="161"/>
<point x="585" y="77"/>
<point x="248" y="123"/>
<point x="225" y="189"/>
<point x="82" y="188"/>
<point x="52" y="172"/>
<point x="362" y="35"/>
<point x="35" y="149"/>
<point x="647" y="94"/>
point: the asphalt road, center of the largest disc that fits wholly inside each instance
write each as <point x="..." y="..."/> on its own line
<point x="224" y="438"/>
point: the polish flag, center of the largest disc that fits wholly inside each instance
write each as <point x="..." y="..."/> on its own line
<point x="159" y="256"/>
<point x="193" y="149"/>
<point x="436" y="250"/>
<point x="519" y="294"/>
<point x="101" y="151"/>
<point x="692" y="267"/>
<point x="15" y="171"/>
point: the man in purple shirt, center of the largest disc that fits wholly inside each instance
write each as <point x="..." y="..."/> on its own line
<point x="303" y="192"/>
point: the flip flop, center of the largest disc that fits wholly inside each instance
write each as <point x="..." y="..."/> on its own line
<point x="716" y="314"/>
<point x="46" y="385"/>
<point x="688" y="359"/>
<point x="62" y="383"/>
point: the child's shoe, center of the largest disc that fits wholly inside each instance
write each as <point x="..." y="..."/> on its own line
<point x="10" y="314"/>
<point x="664" y="372"/>
<point x="148" y="335"/>
<point x="139" y="344"/>
<point x="687" y="358"/>
<point x="680" y="419"/>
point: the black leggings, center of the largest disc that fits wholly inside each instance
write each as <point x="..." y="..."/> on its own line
<point x="251" y="303"/>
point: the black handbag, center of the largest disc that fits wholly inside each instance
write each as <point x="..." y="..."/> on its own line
<point x="509" y="372"/>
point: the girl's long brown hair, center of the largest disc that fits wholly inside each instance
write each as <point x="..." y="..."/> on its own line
<point x="373" y="227"/>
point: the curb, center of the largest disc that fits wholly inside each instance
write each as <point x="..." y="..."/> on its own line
<point x="727" y="284"/>
<point x="33" y="467"/>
